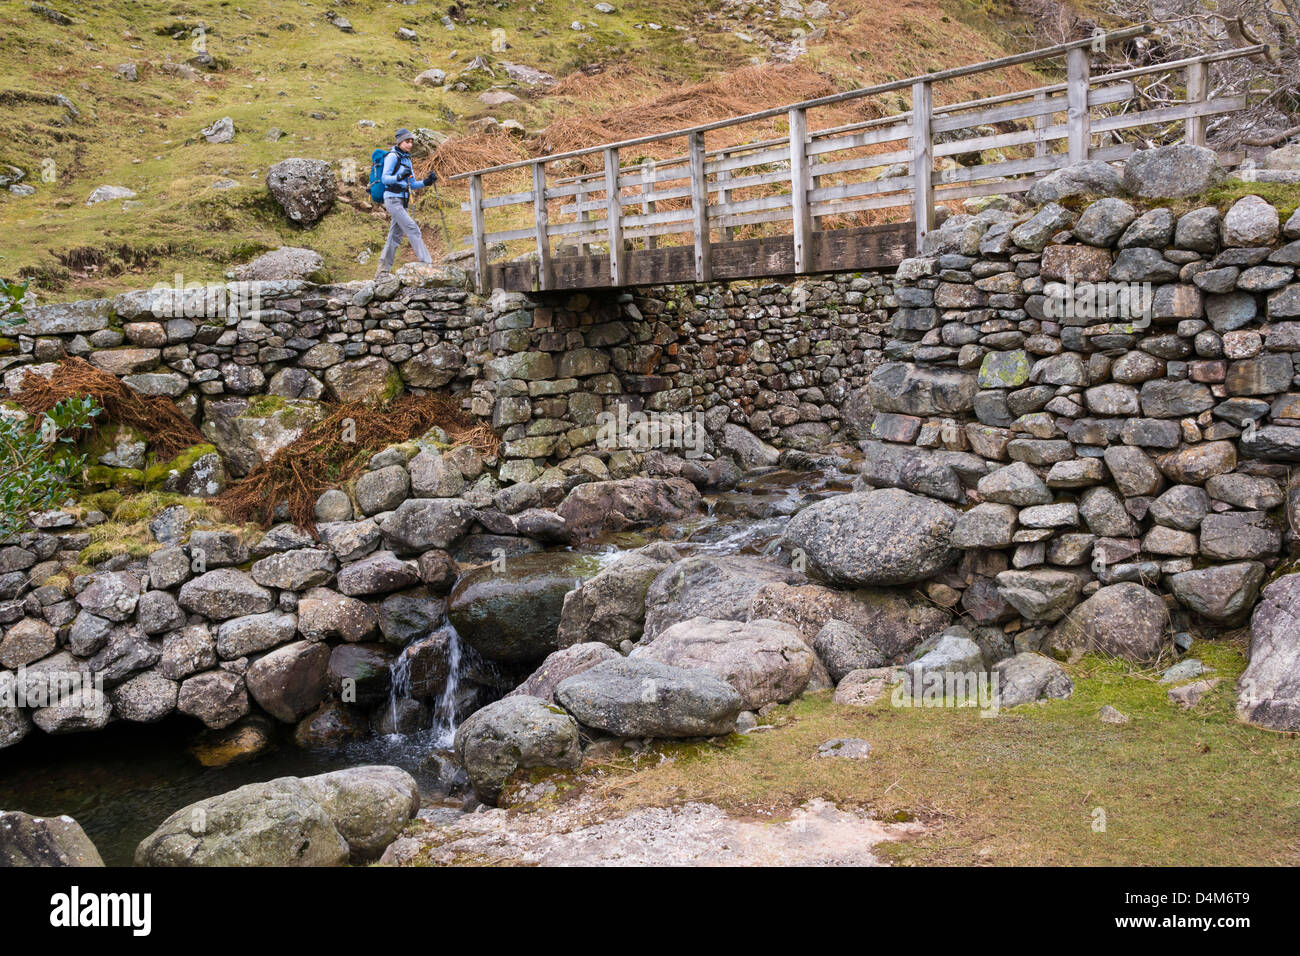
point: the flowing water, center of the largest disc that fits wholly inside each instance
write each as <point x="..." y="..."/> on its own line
<point x="122" y="782"/>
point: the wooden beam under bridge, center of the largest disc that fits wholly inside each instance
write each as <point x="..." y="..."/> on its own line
<point x="837" y="250"/>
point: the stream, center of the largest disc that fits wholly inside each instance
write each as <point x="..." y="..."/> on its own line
<point x="120" y="783"/>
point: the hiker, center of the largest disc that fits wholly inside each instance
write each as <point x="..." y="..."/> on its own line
<point x="398" y="178"/>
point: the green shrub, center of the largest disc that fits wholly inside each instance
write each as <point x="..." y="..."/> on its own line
<point x="38" y="462"/>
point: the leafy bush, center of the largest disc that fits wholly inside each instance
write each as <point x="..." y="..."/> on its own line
<point x="38" y="465"/>
<point x="12" y="296"/>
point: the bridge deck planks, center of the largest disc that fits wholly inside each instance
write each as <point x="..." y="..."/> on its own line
<point x="835" y="250"/>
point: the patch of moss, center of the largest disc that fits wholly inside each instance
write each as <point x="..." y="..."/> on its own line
<point x="122" y="479"/>
<point x="103" y="501"/>
<point x="159" y="472"/>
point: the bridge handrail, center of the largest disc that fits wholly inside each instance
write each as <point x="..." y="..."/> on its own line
<point x="795" y="160"/>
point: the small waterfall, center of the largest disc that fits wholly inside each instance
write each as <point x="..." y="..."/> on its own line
<point x="444" y="710"/>
<point x="400" y="671"/>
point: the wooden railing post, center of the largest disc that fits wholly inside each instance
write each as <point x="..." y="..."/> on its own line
<point x="724" y="196"/>
<point x="544" y="279"/>
<point x="1077" y="121"/>
<point x="1196" y="93"/>
<point x="1041" y="122"/>
<point x="613" y="217"/>
<point x="800" y="183"/>
<point x="922" y="161"/>
<point x="583" y="214"/>
<point x="648" y="186"/>
<point x="700" y="209"/>
<point x="480" y="242"/>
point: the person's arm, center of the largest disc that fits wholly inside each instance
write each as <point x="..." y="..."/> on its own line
<point x="391" y="166"/>
<point x="428" y="180"/>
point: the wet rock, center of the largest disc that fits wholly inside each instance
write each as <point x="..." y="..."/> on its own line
<point x="27" y="840"/>
<point x="85" y="709"/>
<point x="405" y="617"/>
<point x="330" y="725"/>
<point x="512" y="615"/>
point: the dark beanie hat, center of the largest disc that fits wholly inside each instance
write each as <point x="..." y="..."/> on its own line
<point x="402" y="134"/>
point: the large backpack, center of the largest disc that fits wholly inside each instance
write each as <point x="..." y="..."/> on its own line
<point x="377" y="175"/>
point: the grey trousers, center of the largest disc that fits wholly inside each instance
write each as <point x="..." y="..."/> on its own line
<point x="403" y="225"/>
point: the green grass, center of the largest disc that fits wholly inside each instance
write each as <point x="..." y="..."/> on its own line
<point x="287" y="67"/>
<point x="1176" y="787"/>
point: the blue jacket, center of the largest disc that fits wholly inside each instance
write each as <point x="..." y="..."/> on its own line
<point x="397" y="166"/>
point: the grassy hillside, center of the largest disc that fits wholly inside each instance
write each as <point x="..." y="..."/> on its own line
<point x="201" y="207"/>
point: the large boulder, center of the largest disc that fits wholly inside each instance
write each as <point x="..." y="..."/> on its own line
<point x="765" y="661"/>
<point x="512" y="615"/>
<point x="1269" y="689"/>
<point x="643" y="698"/>
<point x="369" y="806"/>
<point x="718" y="587"/>
<point x="877" y="537"/>
<point x="1122" y="620"/>
<point x="561" y="664"/>
<point x="515" y="733"/>
<point x="277" y="823"/>
<point x="304" y="188"/>
<point x="1171" y="172"/>
<point x="895" y="621"/>
<point x="26" y="840"/>
<point x="611" y="606"/>
<point x="597" y="507"/>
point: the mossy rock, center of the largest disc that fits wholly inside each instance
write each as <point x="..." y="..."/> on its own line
<point x="121" y="479"/>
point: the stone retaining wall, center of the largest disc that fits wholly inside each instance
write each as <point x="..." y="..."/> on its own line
<point x="1088" y="449"/>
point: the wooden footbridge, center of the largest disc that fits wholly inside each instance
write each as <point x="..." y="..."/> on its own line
<point x="759" y="209"/>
